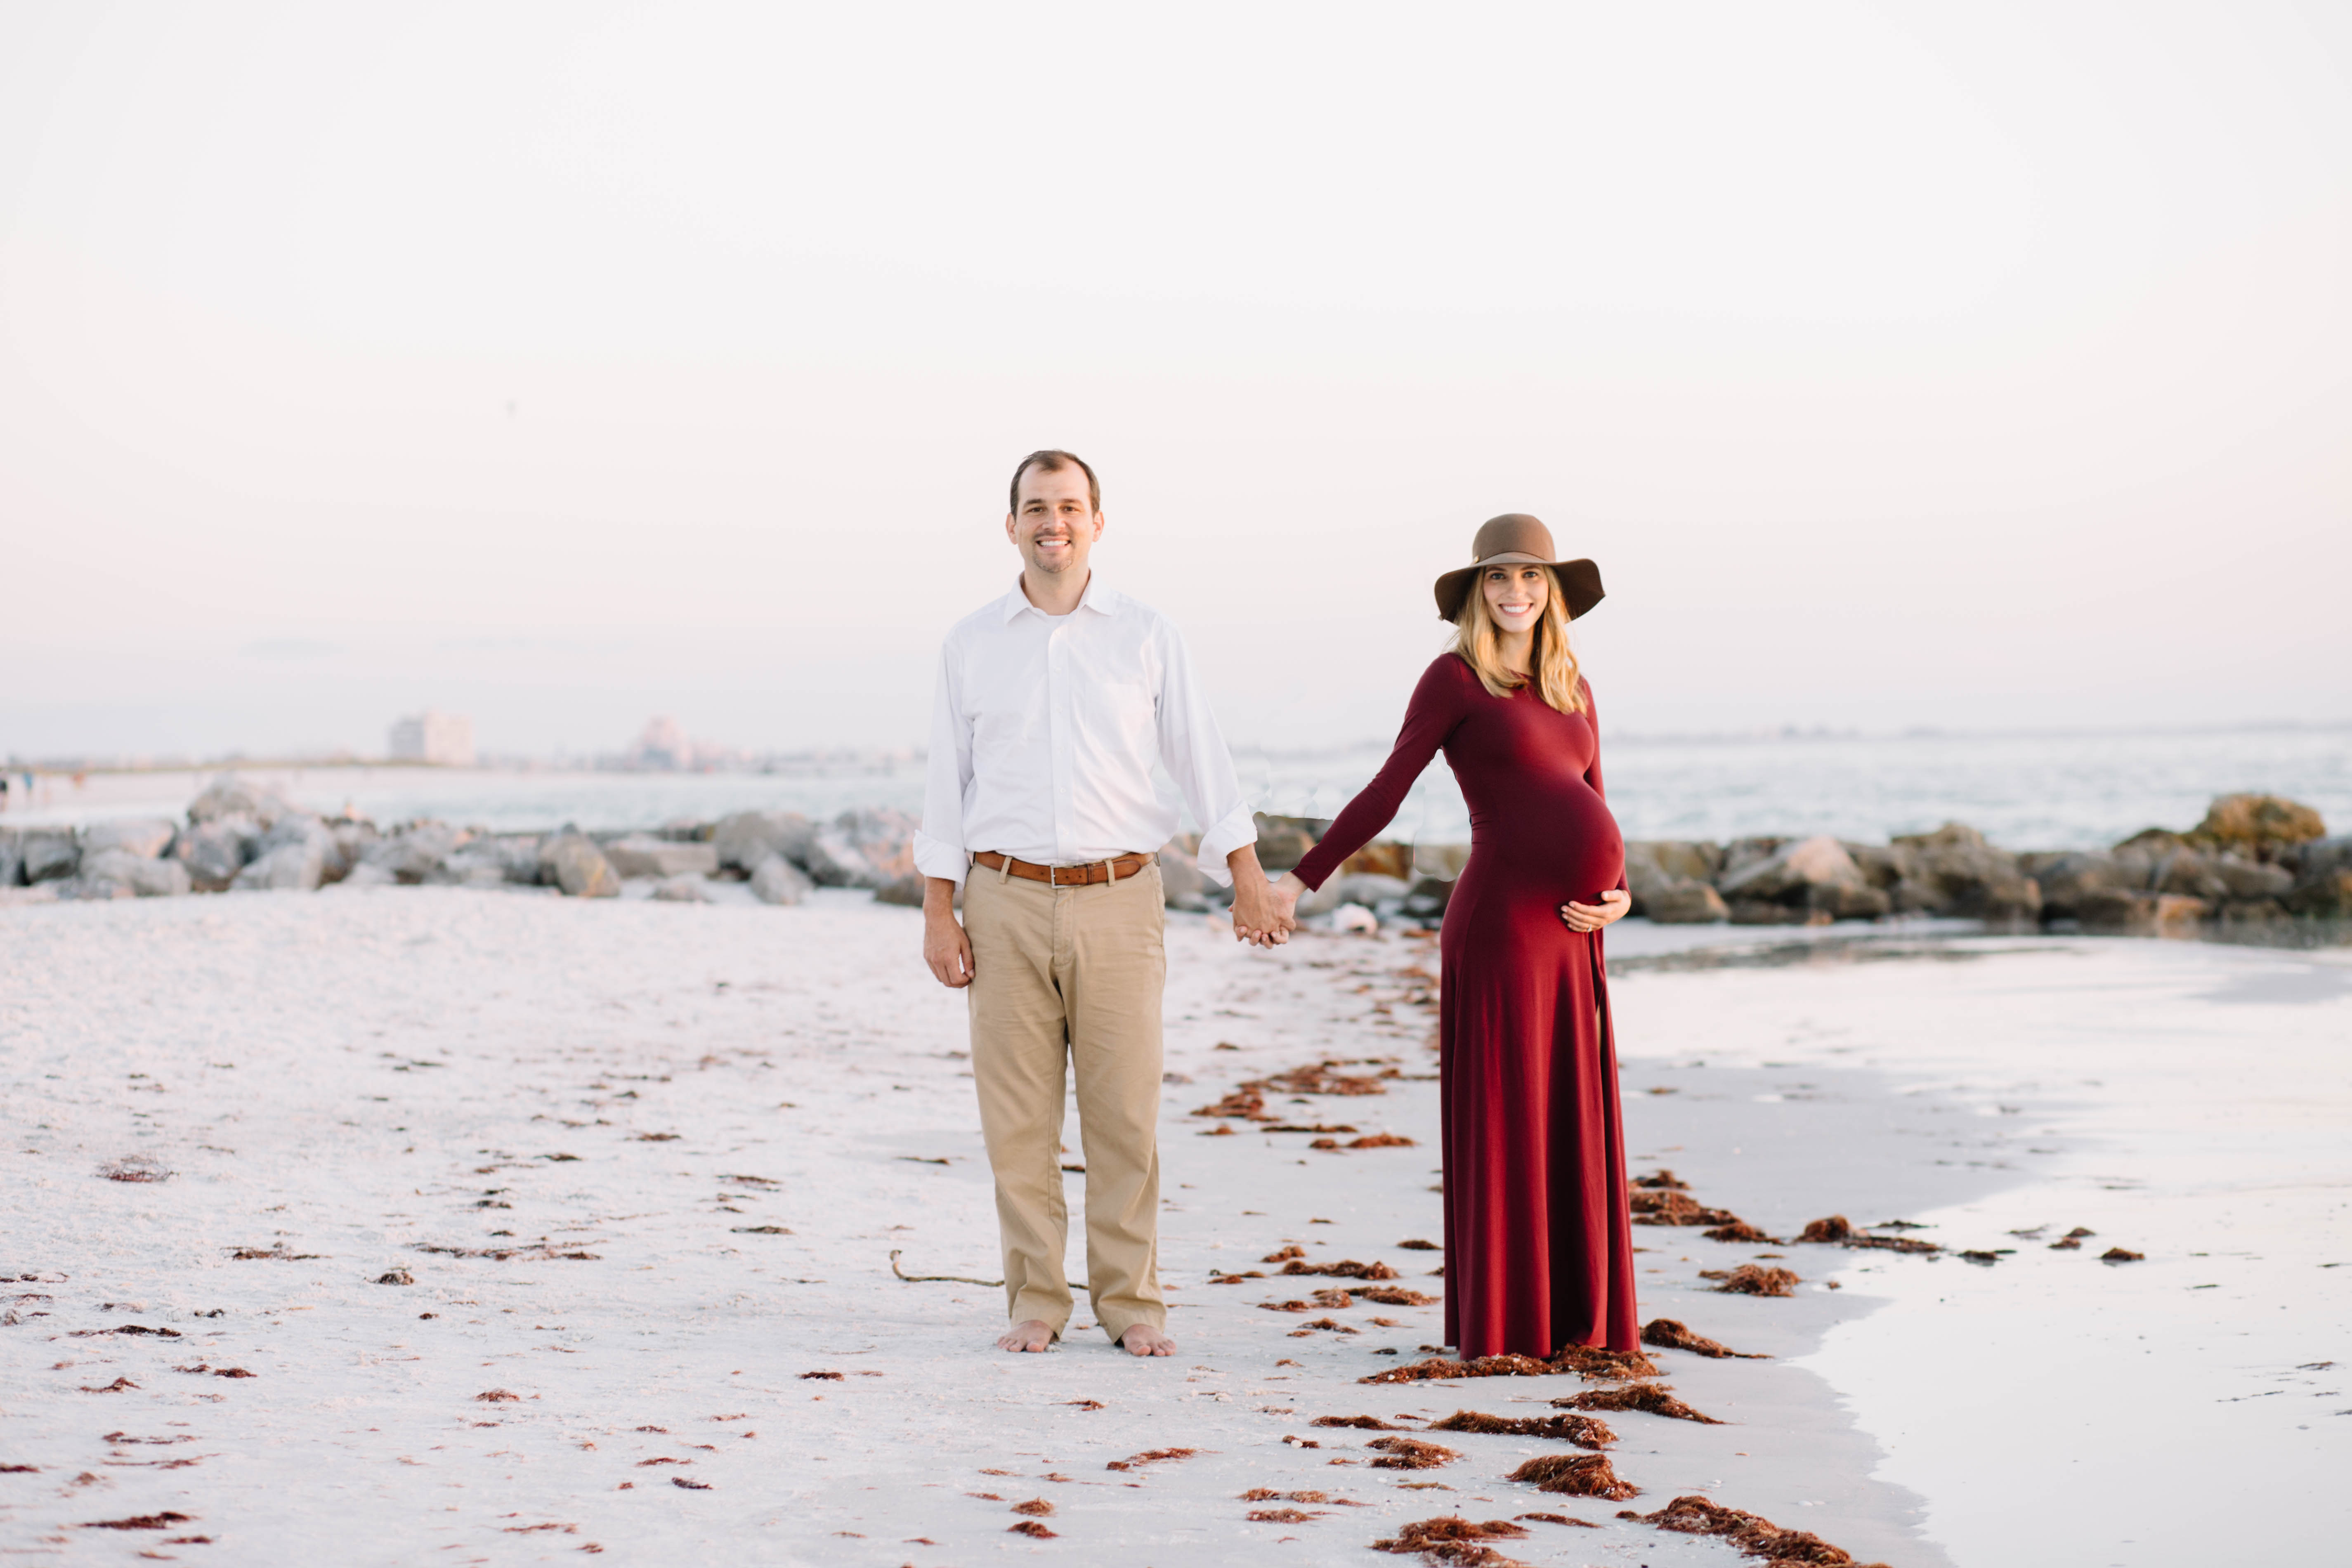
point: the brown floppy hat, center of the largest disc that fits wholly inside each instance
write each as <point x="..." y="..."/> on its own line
<point x="1507" y="540"/>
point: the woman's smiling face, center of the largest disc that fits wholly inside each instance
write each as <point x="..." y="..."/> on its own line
<point x="1516" y="596"/>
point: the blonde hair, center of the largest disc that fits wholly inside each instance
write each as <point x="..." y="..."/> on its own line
<point x="1478" y="641"/>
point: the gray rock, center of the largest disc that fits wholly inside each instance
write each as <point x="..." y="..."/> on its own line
<point x="1369" y="888"/>
<point x="146" y="876"/>
<point x="12" y="858"/>
<point x="2067" y="876"/>
<point x="1951" y="836"/>
<point x="740" y="842"/>
<point x="1181" y="886"/>
<point x="686" y="888"/>
<point x="907" y="889"/>
<point x="50" y="854"/>
<point x="884" y="837"/>
<point x="1686" y="901"/>
<point x="1790" y="874"/>
<point x="2248" y="879"/>
<point x="86" y="887"/>
<point x="574" y="863"/>
<point x="291" y="856"/>
<point x="418" y="852"/>
<point x="776" y="880"/>
<point x="642" y="855"/>
<point x="229" y="796"/>
<point x="2135" y="911"/>
<point x="143" y="836"/>
<point x="1429" y="896"/>
<point x="1677" y="859"/>
<point x="1743" y="853"/>
<point x="215" y="850"/>
<point x="834" y="860"/>
<point x="1284" y="841"/>
<point x="2186" y="872"/>
<point x="1974" y="879"/>
<point x="1886" y="866"/>
<point x="367" y="874"/>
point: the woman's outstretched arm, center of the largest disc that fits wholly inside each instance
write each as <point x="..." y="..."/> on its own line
<point x="1435" y="709"/>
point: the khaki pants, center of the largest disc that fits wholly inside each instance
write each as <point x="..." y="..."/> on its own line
<point x="1071" y="975"/>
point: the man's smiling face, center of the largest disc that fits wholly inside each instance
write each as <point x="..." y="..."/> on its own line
<point x="1055" y="525"/>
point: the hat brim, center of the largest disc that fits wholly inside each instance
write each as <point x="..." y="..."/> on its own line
<point x="1580" y="582"/>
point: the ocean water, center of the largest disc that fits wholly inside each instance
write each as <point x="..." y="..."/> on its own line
<point x="2024" y="791"/>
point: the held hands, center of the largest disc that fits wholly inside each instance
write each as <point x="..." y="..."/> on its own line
<point x="1592" y="916"/>
<point x="1263" y="915"/>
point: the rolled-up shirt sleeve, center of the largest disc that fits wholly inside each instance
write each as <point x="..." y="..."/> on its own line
<point x="940" y="848"/>
<point x="1193" y="749"/>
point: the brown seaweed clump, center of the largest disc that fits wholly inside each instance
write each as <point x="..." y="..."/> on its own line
<point x="1556" y="1518"/>
<point x="1382" y="1141"/>
<point x="1417" y="1245"/>
<point x="1030" y="1526"/>
<point x="1036" y="1507"/>
<point x="1397" y="1296"/>
<point x="2118" y="1255"/>
<point x="1148" y="1456"/>
<point x="1281" y="1516"/>
<point x="1836" y="1227"/>
<point x="1662" y="1180"/>
<point x="1754" y="1536"/>
<point x="1670" y="1207"/>
<point x="1575" y="1475"/>
<point x="1410" y="1454"/>
<point x="1346" y="1269"/>
<point x="1330" y="1325"/>
<point x="1738" y="1230"/>
<point x="1597" y="1365"/>
<point x="1365" y="1423"/>
<point x="1337" y="1300"/>
<point x="1747" y="1279"/>
<point x="1455" y="1541"/>
<point x="1286" y="1306"/>
<point x="1668" y="1334"/>
<point x="1267" y="1494"/>
<point x="1483" y="1366"/>
<point x="164" y="1522"/>
<point x="1652" y="1398"/>
<point x="1581" y="1430"/>
<point x="2072" y="1240"/>
<point x="1894" y="1244"/>
<point x="1585" y="1360"/>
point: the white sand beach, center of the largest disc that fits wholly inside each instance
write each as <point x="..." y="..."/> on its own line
<point x="646" y="1165"/>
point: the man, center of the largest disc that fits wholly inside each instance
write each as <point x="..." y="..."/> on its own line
<point x="1053" y="704"/>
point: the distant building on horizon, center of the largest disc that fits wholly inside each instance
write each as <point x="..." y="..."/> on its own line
<point x="442" y="740"/>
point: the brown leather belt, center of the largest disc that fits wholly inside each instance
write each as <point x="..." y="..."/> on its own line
<point x="1064" y="876"/>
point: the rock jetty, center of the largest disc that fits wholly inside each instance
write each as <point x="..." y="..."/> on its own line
<point x="2255" y="861"/>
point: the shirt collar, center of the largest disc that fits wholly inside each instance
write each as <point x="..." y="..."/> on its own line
<point x="1099" y="597"/>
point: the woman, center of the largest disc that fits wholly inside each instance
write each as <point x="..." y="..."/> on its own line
<point x="1538" y="1250"/>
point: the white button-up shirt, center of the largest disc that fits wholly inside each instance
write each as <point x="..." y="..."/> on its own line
<point x="1046" y="730"/>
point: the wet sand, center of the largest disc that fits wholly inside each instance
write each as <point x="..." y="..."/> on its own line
<point x="644" y="1166"/>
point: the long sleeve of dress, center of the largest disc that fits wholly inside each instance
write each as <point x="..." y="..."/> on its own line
<point x="1435" y="709"/>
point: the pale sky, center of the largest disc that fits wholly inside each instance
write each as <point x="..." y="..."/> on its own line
<point x="1979" y="367"/>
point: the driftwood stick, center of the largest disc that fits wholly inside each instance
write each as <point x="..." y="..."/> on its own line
<point x="957" y="1278"/>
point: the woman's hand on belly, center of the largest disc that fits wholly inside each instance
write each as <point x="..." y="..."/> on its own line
<point x="1592" y="916"/>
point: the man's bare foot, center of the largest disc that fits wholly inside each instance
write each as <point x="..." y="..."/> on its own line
<point x="1142" y="1339"/>
<point x="1029" y="1335"/>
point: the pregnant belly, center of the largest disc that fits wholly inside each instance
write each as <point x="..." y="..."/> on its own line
<point x="1565" y="846"/>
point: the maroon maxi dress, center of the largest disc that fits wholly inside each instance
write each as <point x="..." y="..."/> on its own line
<point x="1538" y="1244"/>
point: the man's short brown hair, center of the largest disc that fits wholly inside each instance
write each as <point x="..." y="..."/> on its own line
<point x="1054" y="461"/>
